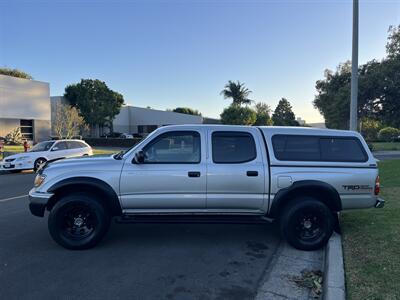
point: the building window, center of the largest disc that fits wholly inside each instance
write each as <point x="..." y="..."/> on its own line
<point x="26" y="129"/>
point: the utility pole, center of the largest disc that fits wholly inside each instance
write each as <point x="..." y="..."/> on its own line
<point x="354" y="70"/>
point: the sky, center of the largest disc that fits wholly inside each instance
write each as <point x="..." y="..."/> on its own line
<point x="166" y="54"/>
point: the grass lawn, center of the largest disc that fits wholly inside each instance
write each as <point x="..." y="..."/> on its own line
<point x="382" y="146"/>
<point x="371" y="242"/>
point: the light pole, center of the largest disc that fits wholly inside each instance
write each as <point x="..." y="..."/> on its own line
<point x="354" y="70"/>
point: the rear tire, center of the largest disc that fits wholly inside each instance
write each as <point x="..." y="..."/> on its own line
<point x="78" y="221"/>
<point x="306" y="223"/>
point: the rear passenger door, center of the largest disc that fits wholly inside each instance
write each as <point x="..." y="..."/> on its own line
<point x="75" y="148"/>
<point x="59" y="150"/>
<point x="235" y="170"/>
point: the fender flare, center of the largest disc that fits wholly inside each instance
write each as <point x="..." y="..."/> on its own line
<point x="97" y="186"/>
<point x="323" y="191"/>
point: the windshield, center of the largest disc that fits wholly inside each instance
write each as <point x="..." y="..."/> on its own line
<point x="43" y="146"/>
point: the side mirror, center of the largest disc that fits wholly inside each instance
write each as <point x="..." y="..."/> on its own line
<point x="139" y="157"/>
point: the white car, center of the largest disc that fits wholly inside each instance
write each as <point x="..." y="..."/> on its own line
<point x="126" y="136"/>
<point x="44" y="151"/>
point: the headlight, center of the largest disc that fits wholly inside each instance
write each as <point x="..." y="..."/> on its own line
<point x="39" y="179"/>
<point x="23" y="157"/>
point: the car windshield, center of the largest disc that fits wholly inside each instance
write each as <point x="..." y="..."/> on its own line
<point x="43" y="146"/>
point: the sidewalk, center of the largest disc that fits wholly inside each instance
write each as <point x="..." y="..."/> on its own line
<point x="287" y="266"/>
<point x="384" y="155"/>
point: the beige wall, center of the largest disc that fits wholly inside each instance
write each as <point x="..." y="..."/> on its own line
<point x="130" y="117"/>
<point x="23" y="99"/>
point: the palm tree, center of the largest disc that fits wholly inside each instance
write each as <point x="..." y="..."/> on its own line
<point x="237" y="91"/>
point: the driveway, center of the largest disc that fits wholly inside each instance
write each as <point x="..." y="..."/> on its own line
<point x="135" y="261"/>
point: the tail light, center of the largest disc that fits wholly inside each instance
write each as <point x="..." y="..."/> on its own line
<point x="377" y="185"/>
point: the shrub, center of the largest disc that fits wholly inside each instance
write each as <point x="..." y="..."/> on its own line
<point x="14" y="137"/>
<point x="370" y="129"/>
<point x="388" y="134"/>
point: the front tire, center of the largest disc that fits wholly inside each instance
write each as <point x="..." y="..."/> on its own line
<point x="306" y="223"/>
<point x="38" y="163"/>
<point x="78" y="221"/>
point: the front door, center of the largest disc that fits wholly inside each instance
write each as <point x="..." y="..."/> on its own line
<point x="172" y="176"/>
<point x="235" y="171"/>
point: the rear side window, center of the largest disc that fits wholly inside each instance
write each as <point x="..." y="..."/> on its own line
<point x="75" y="145"/>
<point x="232" y="147"/>
<point x="345" y="149"/>
<point x="316" y="148"/>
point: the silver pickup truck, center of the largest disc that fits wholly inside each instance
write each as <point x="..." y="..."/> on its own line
<point x="299" y="177"/>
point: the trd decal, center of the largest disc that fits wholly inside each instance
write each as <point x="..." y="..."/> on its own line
<point x="356" y="187"/>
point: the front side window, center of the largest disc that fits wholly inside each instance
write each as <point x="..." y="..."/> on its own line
<point x="233" y="147"/>
<point x="318" y="148"/>
<point x="43" y="146"/>
<point x="174" y="147"/>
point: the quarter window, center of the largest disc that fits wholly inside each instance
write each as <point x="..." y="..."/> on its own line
<point x="174" y="147"/>
<point x="317" y="148"/>
<point x="233" y="147"/>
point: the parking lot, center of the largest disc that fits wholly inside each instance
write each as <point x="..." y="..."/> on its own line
<point x="135" y="261"/>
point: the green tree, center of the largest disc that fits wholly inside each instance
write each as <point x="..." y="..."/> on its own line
<point x="263" y="112"/>
<point x="97" y="104"/>
<point x="283" y="114"/>
<point x="393" y="45"/>
<point x="379" y="89"/>
<point x="187" y="111"/>
<point x="238" y="115"/>
<point x="15" y="73"/>
<point x="237" y="92"/>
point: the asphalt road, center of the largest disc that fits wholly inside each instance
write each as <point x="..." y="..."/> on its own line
<point x="134" y="261"/>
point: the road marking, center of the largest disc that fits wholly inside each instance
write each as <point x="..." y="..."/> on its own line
<point x="12" y="198"/>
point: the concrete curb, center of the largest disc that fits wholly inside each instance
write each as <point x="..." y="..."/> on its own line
<point x="334" y="283"/>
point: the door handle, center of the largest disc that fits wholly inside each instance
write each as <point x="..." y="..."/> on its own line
<point x="252" y="173"/>
<point x="193" y="174"/>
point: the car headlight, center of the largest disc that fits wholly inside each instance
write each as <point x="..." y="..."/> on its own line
<point x="22" y="158"/>
<point x="39" y="179"/>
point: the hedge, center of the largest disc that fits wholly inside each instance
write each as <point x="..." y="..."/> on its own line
<point x="112" y="142"/>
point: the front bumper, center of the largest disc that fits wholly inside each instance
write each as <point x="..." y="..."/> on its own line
<point x="38" y="202"/>
<point x="379" y="203"/>
<point x="16" y="165"/>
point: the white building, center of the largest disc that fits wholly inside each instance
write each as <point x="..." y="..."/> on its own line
<point x="26" y="104"/>
<point x="132" y="119"/>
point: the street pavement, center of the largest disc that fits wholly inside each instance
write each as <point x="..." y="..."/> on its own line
<point x="134" y="261"/>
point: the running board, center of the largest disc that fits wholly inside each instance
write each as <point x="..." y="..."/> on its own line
<point x="192" y="219"/>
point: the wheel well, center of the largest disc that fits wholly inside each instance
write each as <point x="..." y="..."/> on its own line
<point x="102" y="194"/>
<point x="321" y="192"/>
